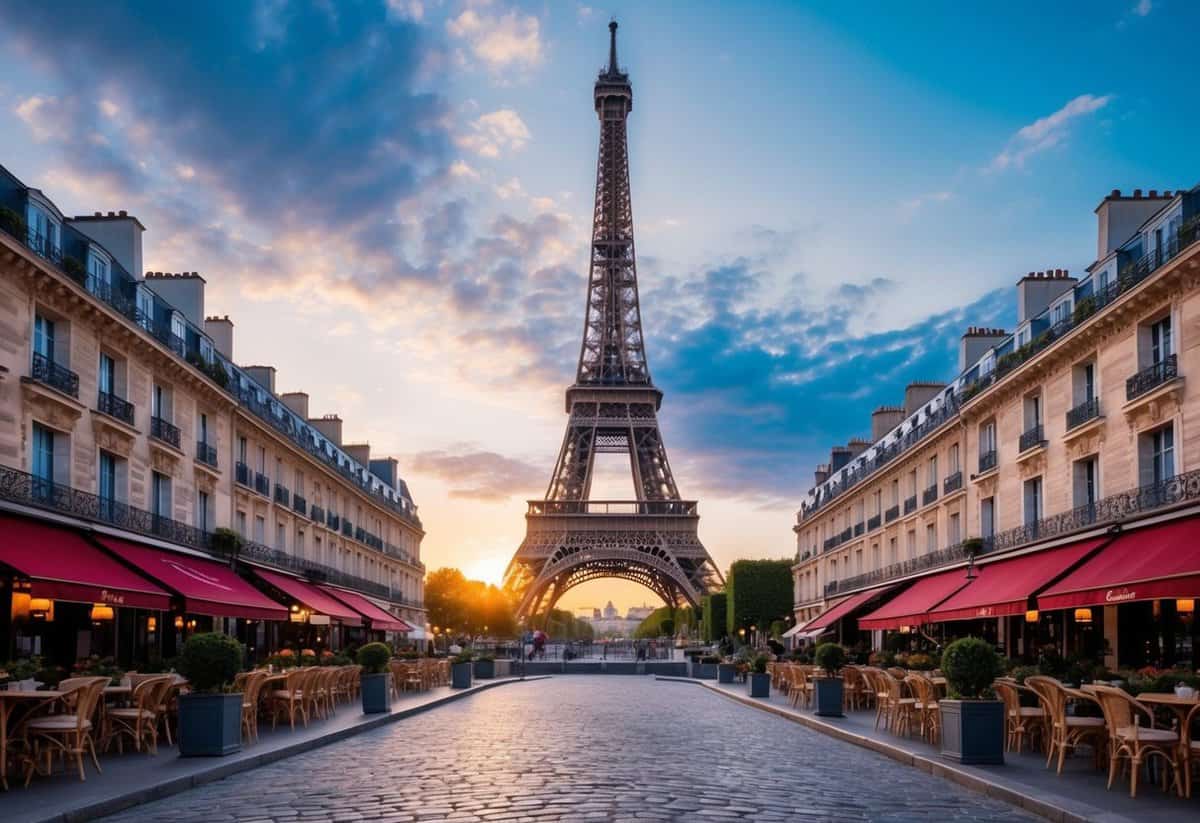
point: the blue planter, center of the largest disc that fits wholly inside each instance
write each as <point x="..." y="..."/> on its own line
<point x="210" y="725"/>
<point x="973" y="731"/>
<point x="704" y="671"/>
<point x="829" y="695"/>
<point x="376" y="693"/>
<point x="460" y="675"/>
<point x="485" y="669"/>
<point x="726" y="672"/>
<point x="758" y="685"/>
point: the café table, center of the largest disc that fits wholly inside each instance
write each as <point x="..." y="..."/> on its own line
<point x="31" y="701"/>
<point x="1180" y="705"/>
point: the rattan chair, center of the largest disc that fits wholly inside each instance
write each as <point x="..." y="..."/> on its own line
<point x="1066" y="732"/>
<point x="290" y="699"/>
<point x="1130" y="744"/>
<point x="1019" y="721"/>
<point x="900" y="709"/>
<point x="251" y="686"/>
<point x="139" y="720"/>
<point x="1189" y="749"/>
<point x="67" y="733"/>
<point x="925" y="707"/>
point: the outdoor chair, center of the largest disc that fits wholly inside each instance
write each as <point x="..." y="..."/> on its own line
<point x="251" y="686"/>
<point x="1130" y="744"/>
<point x="925" y="707"/>
<point x="311" y="691"/>
<point x="878" y="689"/>
<point x="897" y="672"/>
<point x="900" y="708"/>
<point x="854" y="688"/>
<point x="802" y="696"/>
<point x="1066" y="732"/>
<point x="1019" y="721"/>
<point x="1189" y="749"/>
<point x="290" y="699"/>
<point x="139" y="720"/>
<point x="411" y="678"/>
<point x="67" y="733"/>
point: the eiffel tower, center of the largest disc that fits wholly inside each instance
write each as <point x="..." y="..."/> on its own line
<point x="570" y="538"/>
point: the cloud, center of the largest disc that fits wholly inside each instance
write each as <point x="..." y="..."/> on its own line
<point x="495" y="131"/>
<point x="480" y="475"/>
<point x="501" y="42"/>
<point x="1142" y="8"/>
<point x="1046" y="132"/>
<point x="909" y="208"/>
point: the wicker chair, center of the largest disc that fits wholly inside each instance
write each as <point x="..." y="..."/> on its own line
<point x="1019" y="721"/>
<point x="290" y="699"/>
<point x="900" y="709"/>
<point x="1131" y="744"/>
<point x="925" y="707"/>
<point x="1066" y="732"/>
<point x="139" y="721"/>
<point x="252" y="686"/>
<point x="1189" y="749"/>
<point x="855" y="690"/>
<point x="69" y="734"/>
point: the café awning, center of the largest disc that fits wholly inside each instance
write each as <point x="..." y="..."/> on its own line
<point x="62" y="565"/>
<point x="1003" y="588"/>
<point x="380" y="619"/>
<point x="1151" y="563"/>
<point x="315" y="600"/>
<point x="912" y="606"/>
<point x="843" y="608"/>
<point x="207" y="587"/>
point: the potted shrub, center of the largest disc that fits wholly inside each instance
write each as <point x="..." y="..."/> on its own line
<point x="705" y="667"/>
<point x="460" y="671"/>
<point x="726" y="671"/>
<point x="759" y="682"/>
<point x="828" y="690"/>
<point x="972" y="719"/>
<point x="376" y="694"/>
<point x="210" y="716"/>
<point x="485" y="667"/>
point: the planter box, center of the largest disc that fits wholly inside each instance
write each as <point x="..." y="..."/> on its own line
<point x="460" y="675"/>
<point x="828" y="693"/>
<point x="504" y="668"/>
<point x="210" y="725"/>
<point x="376" y="693"/>
<point x="726" y="672"/>
<point x="704" y="671"/>
<point x="485" y="669"/>
<point x="973" y="731"/>
<point x="758" y="685"/>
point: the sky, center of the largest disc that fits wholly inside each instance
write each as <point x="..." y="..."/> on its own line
<point x="392" y="200"/>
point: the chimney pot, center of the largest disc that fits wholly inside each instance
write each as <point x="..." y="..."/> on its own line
<point x="123" y="213"/>
<point x="97" y="214"/>
<point x="1153" y="193"/>
<point x="1115" y="193"/>
<point x="1137" y="193"/>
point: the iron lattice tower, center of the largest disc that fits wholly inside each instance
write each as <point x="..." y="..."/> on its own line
<point x="613" y="407"/>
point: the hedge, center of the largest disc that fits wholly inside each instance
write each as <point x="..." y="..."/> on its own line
<point x="714" y="627"/>
<point x="758" y="592"/>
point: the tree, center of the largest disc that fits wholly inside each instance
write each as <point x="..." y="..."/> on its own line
<point x="758" y="592"/>
<point x="664" y="622"/>
<point x="469" y="607"/>
<point x="714" y="623"/>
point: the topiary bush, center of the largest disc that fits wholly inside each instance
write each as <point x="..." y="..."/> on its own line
<point x="210" y="661"/>
<point x="921" y="662"/>
<point x="970" y="666"/>
<point x="830" y="657"/>
<point x="759" y="664"/>
<point x="374" y="657"/>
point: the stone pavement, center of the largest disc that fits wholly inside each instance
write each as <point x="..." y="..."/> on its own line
<point x="582" y="748"/>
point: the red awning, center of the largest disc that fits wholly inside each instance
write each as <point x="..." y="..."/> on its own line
<point x="207" y="586"/>
<point x="1144" y="564"/>
<point x="65" y="566"/>
<point x="1003" y="588"/>
<point x="833" y="614"/>
<point x="911" y="607"/>
<point x="380" y="619"/>
<point x="313" y="598"/>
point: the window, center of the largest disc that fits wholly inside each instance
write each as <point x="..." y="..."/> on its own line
<point x="912" y="483"/>
<point x="896" y="492"/>
<point x="987" y="517"/>
<point x="931" y="537"/>
<point x="281" y="537"/>
<point x="203" y="432"/>
<point x="1033" y="411"/>
<point x="160" y="402"/>
<point x="160" y="495"/>
<point x="98" y="274"/>
<point x="260" y="529"/>
<point x="178" y="327"/>
<point x="279" y="471"/>
<point x="241" y="450"/>
<point x="933" y="472"/>
<point x="300" y="543"/>
<point x="1083" y="383"/>
<point x="43" y="337"/>
<point x="145" y="308"/>
<point x="239" y="520"/>
<point x="858" y="562"/>
<point x="1160" y="340"/>
<point x="262" y="460"/>
<point x="43" y="231"/>
<point x="1033" y="500"/>
<point x="1061" y="313"/>
<point x="1156" y="453"/>
<point x="43" y="460"/>
<point x="912" y="543"/>
<point x="954" y="537"/>
<point x="202" y="511"/>
<point x="875" y="559"/>
<point x="1085" y="477"/>
<point x="954" y="467"/>
<point x="877" y="503"/>
<point x="206" y="350"/>
<point x="108" y="369"/>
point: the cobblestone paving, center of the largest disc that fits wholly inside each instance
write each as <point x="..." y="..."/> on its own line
<point x="582" y="748"/>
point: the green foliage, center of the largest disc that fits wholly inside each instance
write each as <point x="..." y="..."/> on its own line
<point x="667" y="627"/>
<point x="463" y="657"/>
<point x="882" y="659"/>
<point x="1051" y="662"/>
<point x="485" y="658"/>
<point x="74" y="268"/>
<point x="972" y="546"/>
<point x="213" y="370"/>
<point x="374" y="657"/>
<point x="13" y="223"/>
<point x="1019" y="673"/>
<point x="1084" y="309"/>
<point x="714" y="622"/>
<point x="23" y="668"/>
<point x="469" y="607"/>
<point x="562" y="625"/>
<point x="759" y="664"/>
<point x="970" y="666"/>
<point x="96" y="666"/>
<point x="921" y="662"/>
<point x="830" y="657"/>
<point x="226" y="541"/>
<point x="778" y="627"/>
<point x="758" y="592"/>
<point x="210" y="661"/>
<point x="663" y="622"/>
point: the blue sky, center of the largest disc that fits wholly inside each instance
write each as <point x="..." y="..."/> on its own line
<point x="825" y="195"/>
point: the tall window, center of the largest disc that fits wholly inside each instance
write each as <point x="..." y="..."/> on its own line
<point x="145" y="308"/>
<point x="955" y="533"/>
<point x="43" y="460"/>
<point x="912" y="543"/>
<point x="280" y="537"/>
<point x="896" y="492"/>
<point x="1033" y="500"/>
<point x="262" y="460"/>
<point x="893" y="551"/>
<point x="108" y="371"/>
<point x="931" y="537"/>
<point x="1089" y="382"/>
<point x="160" y="495"/>
<point x="1162" y="443"/>
<point x="260" y="529"/>
<point x="43" y="230"/>
<point x="954" y="467"/>
<point x="933" y="472"/>
<point x="239" y="520"/>
<point x="204" y="428"/>
<point x="98" y="275"/>
<point x="987" y="517"/>
<point x="242" y="450"/>
<point x="160" y="402"/>
<point x="1160" y="340"/>
<point x="202" y="504"/>
<point x="43" y="337"/>
<point x="1086" y="482"/>
<point x="108" y="484"/>
<point x="987" y="437"/>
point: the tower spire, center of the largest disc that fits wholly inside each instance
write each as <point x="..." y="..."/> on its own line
<point x="612" y="47"/>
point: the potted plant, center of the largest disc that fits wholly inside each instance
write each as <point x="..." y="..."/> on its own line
<point x="972" y="719"/>
<point x="828" y="690"/>
<point x="759" y="682"/>
<point x="460" y="671"/>
<point x="210" y="715"/>
<point x="705" y="667"/>
<point x="726" y="671"/>
<point x="485" y="666"/>
<point x="376" y="696"/>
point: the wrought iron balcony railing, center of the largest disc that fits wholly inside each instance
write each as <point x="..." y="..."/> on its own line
<point x="43" y="247"/>
<point x="333" y="521"/>
<point x="166" y="432"/>
<point x="282" y="496"/>
<point x="299" y="504"/>
<point x="891" y="514"/>
<point x="347" y="528"/>
<point x="1151" y="378"/>
<point x="317" y="514"/>
<point x="987" y="461"/>
<point x="262" y="484"/>
<point x="1085" y="411"/>
<point x="910" y="504"/>
<point x="859" y="528"/>
<point x="1031" y="438"/>
<point x="658" y="508"/>
<point x="952" y="483"/>
<point x="57" y="377"/>
<point x="242" y="474"/>
<point x="206" y="453"/>
<point x="929" y="495"/>
<point x="113" y="406"/>
<point x="874" y="522"/>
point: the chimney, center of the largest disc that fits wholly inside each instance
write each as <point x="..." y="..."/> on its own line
<point x="297" y="401"/>
<point x="839" y="456"/>
<point x="821" y="474"/>
<point x="220" y="329"/>
<point x="1118" y="217"/>
<point x="884" y="419"/>
<point x="976" y="341"/>
<point x="119" y="233"/>
<point x="262" y="375"/>
<point x="330" y="427"/>
<point x="184" y="291"/>
<point x="386" y="469"/>
<point x="857" y="446"/>
<point x="1038" y="289"/>
<point x="360" y="452"/>
<point x="918" y="393"/>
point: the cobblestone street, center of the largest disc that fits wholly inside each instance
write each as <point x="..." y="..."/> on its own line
<point x="582" y="748"/>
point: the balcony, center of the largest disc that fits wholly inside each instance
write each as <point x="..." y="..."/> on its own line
<point x="299" y="504"/>
<point x="1147" y="380"/>
<point x="859" y="529"/>
<point x="891" y="514"/>
<point x="317" y="514"/>
<point x="929" y="495"/>
<point x="166" y="432"/>
<point x="910" y="504"/>
<point x="262" y="484"/>
<point x="282" y="496"/>
<point x="206" y="454"/>
<point x="952" y="483"/>
<point x="658" y="508"/>
<point x="1085" y="411"/>
<point x="347" y="528"/>
<point x="333" y="521"/>
<point x="115" y="407"/>
<point x="987" y="461"/>
<point x="57" y="377"/>
<point x="43" y="246"/>
<point x="874" y="522"/>
<point x="242" y="474"/>
<point x="1031" y="438"/>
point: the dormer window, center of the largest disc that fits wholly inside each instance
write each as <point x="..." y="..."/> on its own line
<point x="99" y="273"/>
<point x="206" y="350"/>
<point x="44" y="232"/>
<point x="145" y="308"/>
